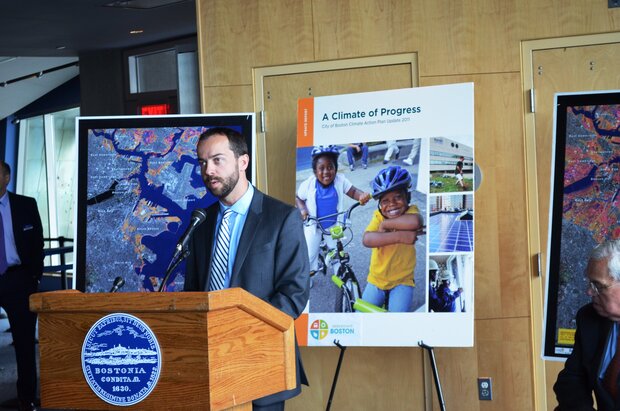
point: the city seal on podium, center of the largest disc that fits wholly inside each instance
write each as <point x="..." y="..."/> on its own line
<point x="121" y="359"/>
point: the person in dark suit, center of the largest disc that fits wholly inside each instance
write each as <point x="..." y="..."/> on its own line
<point x="21" y="268"/>
<point x="267" y="252"/>
<point x="594" y="364"/>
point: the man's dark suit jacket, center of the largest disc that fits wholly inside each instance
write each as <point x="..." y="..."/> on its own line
<point x="18" y="284"/>
<point x="271" y="263"/>
<point x="579" y="378"/>
<point x="28" y="233"/>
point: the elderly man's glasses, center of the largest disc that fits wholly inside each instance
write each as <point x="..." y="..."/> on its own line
<point x="599" y="288"/>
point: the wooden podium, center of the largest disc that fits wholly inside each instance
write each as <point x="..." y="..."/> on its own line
<point x="219" y="350"/>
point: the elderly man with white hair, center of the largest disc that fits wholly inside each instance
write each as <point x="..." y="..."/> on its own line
<point x="594" y="364"/>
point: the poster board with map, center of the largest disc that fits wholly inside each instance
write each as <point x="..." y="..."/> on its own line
<point x="584" y="207"/>
<point x="138" y="182"/>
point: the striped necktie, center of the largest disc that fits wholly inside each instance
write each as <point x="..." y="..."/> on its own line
<point x="219" y="263"/>
<point x="3" y="262"/>
<point x="610" y="380"/>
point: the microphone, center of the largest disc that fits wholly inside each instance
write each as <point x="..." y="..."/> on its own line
<point x="118" y="283"/>
<point x="198" y="217"/>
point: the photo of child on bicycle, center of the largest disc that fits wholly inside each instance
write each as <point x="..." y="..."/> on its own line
<point x="391" y="234"/>
<point x="377" y="175"/>
<point x="322" y="196"/>
<point x="347" y="255"/>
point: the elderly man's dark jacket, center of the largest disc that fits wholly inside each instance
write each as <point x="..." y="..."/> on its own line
<point x="579" y="378"/>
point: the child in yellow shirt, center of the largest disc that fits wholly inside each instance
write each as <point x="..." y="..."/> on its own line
<point x="391" y="234"/>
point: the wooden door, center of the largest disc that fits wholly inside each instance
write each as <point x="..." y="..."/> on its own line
<point x="276" y="92"/>
<point x="558" y="68"/>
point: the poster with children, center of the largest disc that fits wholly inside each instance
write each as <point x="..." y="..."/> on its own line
<point x="385" y="185"/>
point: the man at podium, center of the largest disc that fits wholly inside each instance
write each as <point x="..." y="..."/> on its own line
<point x="249" y="240"/>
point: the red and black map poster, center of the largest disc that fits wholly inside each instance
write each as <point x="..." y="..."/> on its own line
<point x="584" y="205"/>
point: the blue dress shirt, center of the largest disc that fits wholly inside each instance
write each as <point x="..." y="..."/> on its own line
<point x="12" y="257"/>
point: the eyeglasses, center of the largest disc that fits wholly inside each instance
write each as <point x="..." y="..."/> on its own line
<point x="599" y="288"/>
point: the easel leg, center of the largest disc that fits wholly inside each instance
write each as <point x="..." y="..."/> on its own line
<point x="335" y="381"/>
<point x="431" y="354"/>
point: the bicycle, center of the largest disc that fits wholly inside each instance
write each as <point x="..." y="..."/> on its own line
<point x="337" y="260"/>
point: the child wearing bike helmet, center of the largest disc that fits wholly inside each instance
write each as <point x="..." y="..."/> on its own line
<point x="322" y="194"/>
<point x="391" y="234"/>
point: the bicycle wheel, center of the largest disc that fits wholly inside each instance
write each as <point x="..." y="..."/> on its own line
<point x="322" y="267"/>
<point x="345" y="299"/>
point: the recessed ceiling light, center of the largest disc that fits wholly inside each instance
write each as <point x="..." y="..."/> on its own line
<point x="61" y="47"/>
<point x="136" y="31"/>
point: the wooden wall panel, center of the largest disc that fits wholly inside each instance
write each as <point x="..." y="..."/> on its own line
<point x="458" y="364"/>
<point x="488" y="279"/>
<point x="227" y="99"/>
<point x="452" y="36"/>
<point x="354" y="28"/>
<point x="472" y="40"/>
<point x="558" y="18"/>
<point x="501" y="269"/>
<point x="468" y="37"/>
<point x="370" y="379"/>
<point x="552" y="369"/>
<point x="236" y="35"/>
<point x="476" y="36"/>
<point x="504" y="353"/>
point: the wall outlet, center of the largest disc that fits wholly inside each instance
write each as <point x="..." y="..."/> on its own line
<point x="485" y="392"/>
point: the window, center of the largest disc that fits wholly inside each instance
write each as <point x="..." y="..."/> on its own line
<point x="162" y="74"/>
<point x="47" y="162"/>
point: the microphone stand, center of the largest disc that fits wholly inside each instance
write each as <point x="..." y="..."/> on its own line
<point x="119" y="282"/>
<point x="182" y="251"/>
<point x="174" y="263"/>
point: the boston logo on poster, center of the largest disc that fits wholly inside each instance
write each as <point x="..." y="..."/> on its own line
<point x="121" y="359"/>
